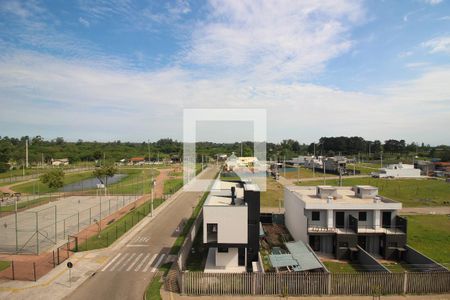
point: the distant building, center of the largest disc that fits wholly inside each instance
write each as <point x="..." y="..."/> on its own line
<point x="426" y="167"/>
<point x="241" y="162"/>
<point x="136" y="161"/>
<point x="231" y="227"/>
<point x="335" y="220"/>
<point x="60" y="162"/>
<point x="398" y="171"/>
<point x="335" y="164"/>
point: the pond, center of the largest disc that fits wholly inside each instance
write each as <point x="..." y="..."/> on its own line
<point x="90" y="183"/>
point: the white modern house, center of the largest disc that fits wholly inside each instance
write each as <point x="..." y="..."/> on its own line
<point x="398" y="171"/>
<point x="60" y="162"/>
<point x="231" y="226"/>
<point x="334" y="220"/>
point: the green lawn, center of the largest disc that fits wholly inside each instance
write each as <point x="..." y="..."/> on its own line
<point x="397" y="267"/>
<point x="116" y="229"/>
<point x="273" y="196"/>
<point x="303" y="173"/>
<point x="137" y="181"/>
<point x="340" y="267"/>
<point x="364" y="168"/>
<point x="27" y="204"/>
<point x="19" y="172"/>
<point x="37" y="185"/>
<point x="4" y="265"/>
<point x="154" y="287"/>
<point x="172" y="185"/>
<point x="430" y="234"/>
<point x="196" y="259"/>
<point x="180" y="239"/>
<point x="411" y="192"/>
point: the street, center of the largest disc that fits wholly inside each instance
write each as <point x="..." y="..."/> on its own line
<point x="130" y="268"/>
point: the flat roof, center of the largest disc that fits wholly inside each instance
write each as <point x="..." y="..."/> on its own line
<point x="347" y="198"/>
<point x="220" y="194"/>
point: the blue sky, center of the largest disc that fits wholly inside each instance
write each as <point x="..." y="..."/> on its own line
<point x="107" y="70"/>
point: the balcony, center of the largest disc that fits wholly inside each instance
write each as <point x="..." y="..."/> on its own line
<point x="354" y="228"/>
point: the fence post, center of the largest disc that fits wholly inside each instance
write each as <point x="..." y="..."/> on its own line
<point x="37" y="232"/>
<point x="57" y="255"/>
<point x="329" y="283"/>
<point x="78" y="221"/>
<point x="53" y="258"/>
<point x="34" y="270"/>
<point x="405" y="282"/>
<point x="12" y="268"/>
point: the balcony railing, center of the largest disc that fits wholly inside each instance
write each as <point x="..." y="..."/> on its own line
<point x="354" y="227"/>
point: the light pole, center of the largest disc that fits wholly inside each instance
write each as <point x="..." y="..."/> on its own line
<point x="153" y="183"/>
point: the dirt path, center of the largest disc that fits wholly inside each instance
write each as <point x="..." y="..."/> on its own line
<point x="431" y="210"/>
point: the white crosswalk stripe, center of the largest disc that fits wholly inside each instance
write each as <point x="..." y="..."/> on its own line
<point x="158" y="262"/>
<point x="126" y="262"/>
<point x="149" y="263"/>
<point x="134" y="262"/>
<point x="137" y="262"/>
<point x="112" y="261"/>
<point x="142" y="262"/>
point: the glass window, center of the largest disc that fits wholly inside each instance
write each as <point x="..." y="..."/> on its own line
<point x="315" y="216"/>
<point x="362" y="216"/>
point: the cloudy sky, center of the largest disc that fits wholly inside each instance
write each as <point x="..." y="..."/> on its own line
<point x="107" y="70"/>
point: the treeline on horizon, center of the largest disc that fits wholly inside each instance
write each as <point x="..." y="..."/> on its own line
<point x="12" y="150"/>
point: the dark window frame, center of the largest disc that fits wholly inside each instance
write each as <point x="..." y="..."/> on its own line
<point x="315" y="215"/>
<point x="360" y="214"/>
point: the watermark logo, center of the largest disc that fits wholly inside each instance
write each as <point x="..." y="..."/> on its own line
<point x="251" y="169"/>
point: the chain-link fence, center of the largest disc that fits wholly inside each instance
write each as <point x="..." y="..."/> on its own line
<point x="39" y="229"/>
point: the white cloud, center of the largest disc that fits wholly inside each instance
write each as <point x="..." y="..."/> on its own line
<point x="84" y="22"/>
<point x="433" y="2"/>
<point x="439" y="44"/>
<point x="274" y="39"/>
<point x="91" y="101"/>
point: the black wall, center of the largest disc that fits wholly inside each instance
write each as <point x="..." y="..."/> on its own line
<point x="252" y="198"/>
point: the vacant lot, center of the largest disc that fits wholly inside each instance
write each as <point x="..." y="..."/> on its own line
<point x="295" y="173"/>
<point x="273" y="196"/>
<point x="430" y="234"/>
<point x="411" y="192"/>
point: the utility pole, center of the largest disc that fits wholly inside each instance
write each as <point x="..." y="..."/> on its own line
<point x="381" y="156"/>
<point x="26" y="153"/>
<point x="313" y="162"/>
<point x="148" y="145"/>
<point x="241" y="150"/>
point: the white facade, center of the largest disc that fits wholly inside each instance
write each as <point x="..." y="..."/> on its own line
<point x="399" y="171"/>
<point x="225" y="223"/>
<point x="325" y="202"/>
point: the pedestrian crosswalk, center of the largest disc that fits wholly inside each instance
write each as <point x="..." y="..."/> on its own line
<point x="134" y="262"/>
<point x="142" y="239"/>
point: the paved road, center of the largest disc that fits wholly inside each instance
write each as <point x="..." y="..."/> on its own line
<point x="130" y="268"/>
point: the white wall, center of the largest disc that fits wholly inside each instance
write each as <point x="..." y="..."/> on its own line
<point x="232" y="225"/>
<point x="294" y="217"/>
<point x="323" y="218"/>
<point x="228" y="259"/>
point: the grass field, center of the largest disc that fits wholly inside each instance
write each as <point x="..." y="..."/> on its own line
<point x="116" y="229"/>
<point x="430" y="234"/>
<point x="154" y="287"/>
<point x="137" y="181"/>
<point x="411" y="192"/>
<point x="172" y="185"/>
<point x="26" y="204"/>
<point x="35" y="186"/>
<point x="273" y="196"/>
<point x="363" y="168"/>
<point x="340" y="267"/>
<point x="397" y="267"/>
<point x="4" y="265"/>
<point x="303" y="173"/>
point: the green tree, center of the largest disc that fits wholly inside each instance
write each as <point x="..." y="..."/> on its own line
<point x="54" y="179"/>
<point x="104" y="172"/>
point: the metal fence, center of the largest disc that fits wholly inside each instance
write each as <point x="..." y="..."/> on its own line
<point x="285" y="284"/>
<point x="17" y="178"/>
<point x="33" y="268"/>
<point x="38" y="229"/>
